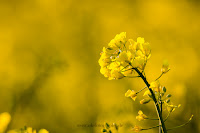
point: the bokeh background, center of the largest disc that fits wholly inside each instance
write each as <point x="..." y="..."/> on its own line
<point x="49" y="72"/>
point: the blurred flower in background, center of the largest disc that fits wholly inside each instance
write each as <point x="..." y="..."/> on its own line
<point x="49" y="71"/>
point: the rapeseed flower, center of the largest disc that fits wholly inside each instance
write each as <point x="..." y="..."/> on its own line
<point x="132" y="94"/>
<point x="165" y="67"/>
<point x="5" y="119"/>
<point x="119" y="60"/>
<point x="137" y="128"/>
<point x="141" y="116"/>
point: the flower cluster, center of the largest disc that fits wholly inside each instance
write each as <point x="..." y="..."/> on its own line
<point x="28" y="130"/>
<point x="5" y="119"/>
<point x="122" y="55"/>
<point x="128" y="58"/>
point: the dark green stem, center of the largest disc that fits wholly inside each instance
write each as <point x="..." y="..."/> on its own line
<point x="141" y="90"/>
<point x="159" y="76"/>
<point x="154" y="99"/>
<point x="160" y="129"/>
<point x="151" y="127"/>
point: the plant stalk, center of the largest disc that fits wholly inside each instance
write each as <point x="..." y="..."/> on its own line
<point x="154" y="99"/>
<point x="160" y="129"/>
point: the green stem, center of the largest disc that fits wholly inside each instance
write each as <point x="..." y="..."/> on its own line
<point x="160" y="129"/>
<point x="141" y="90"/>
<point x="158" y="119"/>
<point x="159" y="76"/>
<point x="167" y="117"/>
<point x="181" y="125"/>
<point x="151" y="119"/>
<point x="151" y="127"/>
<point x="154" y="99"/>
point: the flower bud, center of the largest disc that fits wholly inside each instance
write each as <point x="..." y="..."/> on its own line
<point x="104" y="130"/>
<point x="165" y="67"/>
<point x="116" y="126"/>
<point x="162" y="94"/>
<point x="169" y="95"/>
<point x="164" y="89"/>
<point x="43" y="131"/>
<point x="137" y="128"/>
<point x="167" y="101"/>
<point x="145" y="101"/>
<point x="107" y="126"/>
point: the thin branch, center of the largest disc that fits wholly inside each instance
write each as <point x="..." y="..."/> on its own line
<point x="181" y="125"/>
<point x="141" y="90"/>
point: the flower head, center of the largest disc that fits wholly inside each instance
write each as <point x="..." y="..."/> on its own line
<point x="171" y="108"/>
<point x="28" y="130"/>
<point x="155" y="85"/>
<point x="137" y="128"/>
<point x="132" y="94"/>
<point x="119" y="58"/>
<point x="146" y="93"/>
<point x="141" y="116"/>
<point x="118" y="40"/>
<point x="165" y="67"/>
<point x="4" y="121"/>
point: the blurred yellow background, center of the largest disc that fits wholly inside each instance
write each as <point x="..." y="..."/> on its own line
<point x="49" y="72"/>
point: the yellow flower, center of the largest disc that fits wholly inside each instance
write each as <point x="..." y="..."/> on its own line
<point x="118" y="40"/>
<point x="137" y="128"/>
<point x="140" y="40"/>
<point x="147" y="50"/>
<point x="104" y="60"/>
<point x="28" y="130"/>
<point x="128" y="71"/>
<point x="123" y="58"/>
<point x="117" y="60"/>
<point x="43" y="131"/>
<point x="105" y="71"/>
<point x="114" y="65"/>
<point x="155" y="85"/>
<point x="146" y="93"/>
<point x="116" y="74"/>
<point x="172" y="108"/>
<point x="4" y="121"/>
<point x="131" y="93"/>
<point x="141" y="116"/>
<point x="138" y="62"/>
<point x="165" y="67"/>
<point x="133" y="45"/>
<point x="108" y="51"/>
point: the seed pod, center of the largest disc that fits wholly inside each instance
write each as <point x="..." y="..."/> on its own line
<point x="170" y="109"/>
<point x="162" y="94"/>
<point x="104" y="130"/>
<point x="167" y="101"/>
<point x="145" y="101"/>
<point x="116" y="126"/>
<point x="169" y="95"/>
<point x="164" y="89"/>
<point x="107" y="126"/>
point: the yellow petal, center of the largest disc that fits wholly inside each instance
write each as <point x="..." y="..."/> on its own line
<point x="147" y="92"/>
<point x="140" y="112"/>
<point x="128" y="93"/>
<point x="140" y="40"/>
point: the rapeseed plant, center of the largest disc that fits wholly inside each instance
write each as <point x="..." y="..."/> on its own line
<point x="127" y="58"/>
